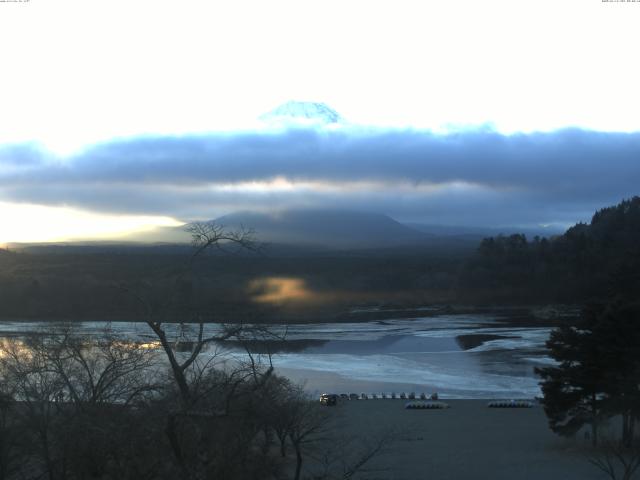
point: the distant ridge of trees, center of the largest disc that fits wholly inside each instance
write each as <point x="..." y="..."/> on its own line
<point x="601" y="258"/>
<point x="591" y="261"/>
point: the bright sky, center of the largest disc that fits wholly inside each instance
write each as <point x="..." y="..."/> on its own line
<point x="79" y="71"/>
<point x="34" y="223"/>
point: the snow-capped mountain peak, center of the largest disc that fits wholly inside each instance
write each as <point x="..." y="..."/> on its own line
<point x="302" y="113"/>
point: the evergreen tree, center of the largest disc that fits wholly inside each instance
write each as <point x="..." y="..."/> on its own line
<point x="574" y="390"/>
<point x="597" y="375"/>
<point x="618" y="331"/>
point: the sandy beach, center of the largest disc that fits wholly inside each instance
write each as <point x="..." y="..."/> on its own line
<point x="466" y="441"/>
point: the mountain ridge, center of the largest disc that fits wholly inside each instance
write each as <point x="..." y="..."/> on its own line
<point x="329" y="228"/>
<point x="302" y="113"/>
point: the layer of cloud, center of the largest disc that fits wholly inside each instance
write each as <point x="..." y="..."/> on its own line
<point x="473" y="177"/>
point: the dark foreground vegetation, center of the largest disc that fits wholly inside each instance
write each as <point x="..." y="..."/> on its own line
<point x="96" y="408"/>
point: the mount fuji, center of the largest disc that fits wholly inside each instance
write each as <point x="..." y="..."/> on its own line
<point x="311" y="114"/>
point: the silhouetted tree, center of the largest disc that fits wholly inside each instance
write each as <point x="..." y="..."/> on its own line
<point x="617" y="461"/>
<point x="574" y="390"/>
<point x="598" y="371"/>
<point x="618" y="331"/>
<point x="11" y="437"/>
<point x="599" y="260"/>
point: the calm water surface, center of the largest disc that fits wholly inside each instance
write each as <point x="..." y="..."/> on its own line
<point x="459" y="356"/>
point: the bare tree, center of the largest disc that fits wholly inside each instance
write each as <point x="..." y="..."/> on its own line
<point x="99" y="370"/>
<point x="343" y="457"/>
<point x="321" y="449"/>
<point x="307" y="422"/>
<point x="616" y="459"/>
<point x="11" y="438"/>
<point x="205" y="235"/>
<point x="27" y="373"/>
<point x="206" y="386"/>
<point x="69" y="392"/>
<point x="101" y="407"/>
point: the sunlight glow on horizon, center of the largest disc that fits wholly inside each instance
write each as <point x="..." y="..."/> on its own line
<point x="35" y="223"/>
<point x="24" y="223"/>
<point x="80" y="73"/>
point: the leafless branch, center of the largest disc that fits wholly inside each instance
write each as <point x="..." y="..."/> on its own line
<point x="615" y="459"/>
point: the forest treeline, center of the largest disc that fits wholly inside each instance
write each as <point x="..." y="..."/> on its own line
<point x="587" y="261"/>
<point x="68" y="286"/>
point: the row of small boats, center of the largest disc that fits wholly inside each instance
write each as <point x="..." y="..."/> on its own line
<point x="393" y="395"/>
<point x="493" y="404"/>
<point x="417" y="402"/>
<point x="428" y="405"/>
<point x="510" y="404"/>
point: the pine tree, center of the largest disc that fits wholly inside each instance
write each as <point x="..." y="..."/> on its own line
<point x="597" y="375"/>
<point x="574" y="389"/>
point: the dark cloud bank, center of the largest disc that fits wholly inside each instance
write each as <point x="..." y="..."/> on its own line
<point x="480" y="177"/>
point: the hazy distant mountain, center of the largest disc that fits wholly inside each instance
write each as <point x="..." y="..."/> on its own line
<point x="327" y="228"/>
<point x="307" y="230"/>
<point x="341" y="229"/>
<point x="302" y="113"/>
<point x="481" y="232"/>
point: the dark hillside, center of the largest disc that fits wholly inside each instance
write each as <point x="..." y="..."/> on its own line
<point x="327" y="228"/>
<point x="588" y="261"/>
<point x="88" y="286"/>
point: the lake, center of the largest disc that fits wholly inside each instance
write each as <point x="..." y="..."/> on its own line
<point x="458" y="356"/>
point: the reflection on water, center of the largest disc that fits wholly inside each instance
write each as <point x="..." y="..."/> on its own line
<point x="281" y="289"/>
<point x="467" y="356"/>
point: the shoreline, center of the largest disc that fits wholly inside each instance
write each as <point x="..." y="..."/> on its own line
<point x="391" y="360"/>
<point x="510" y="315"/>
<point x="316" y="382"/>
